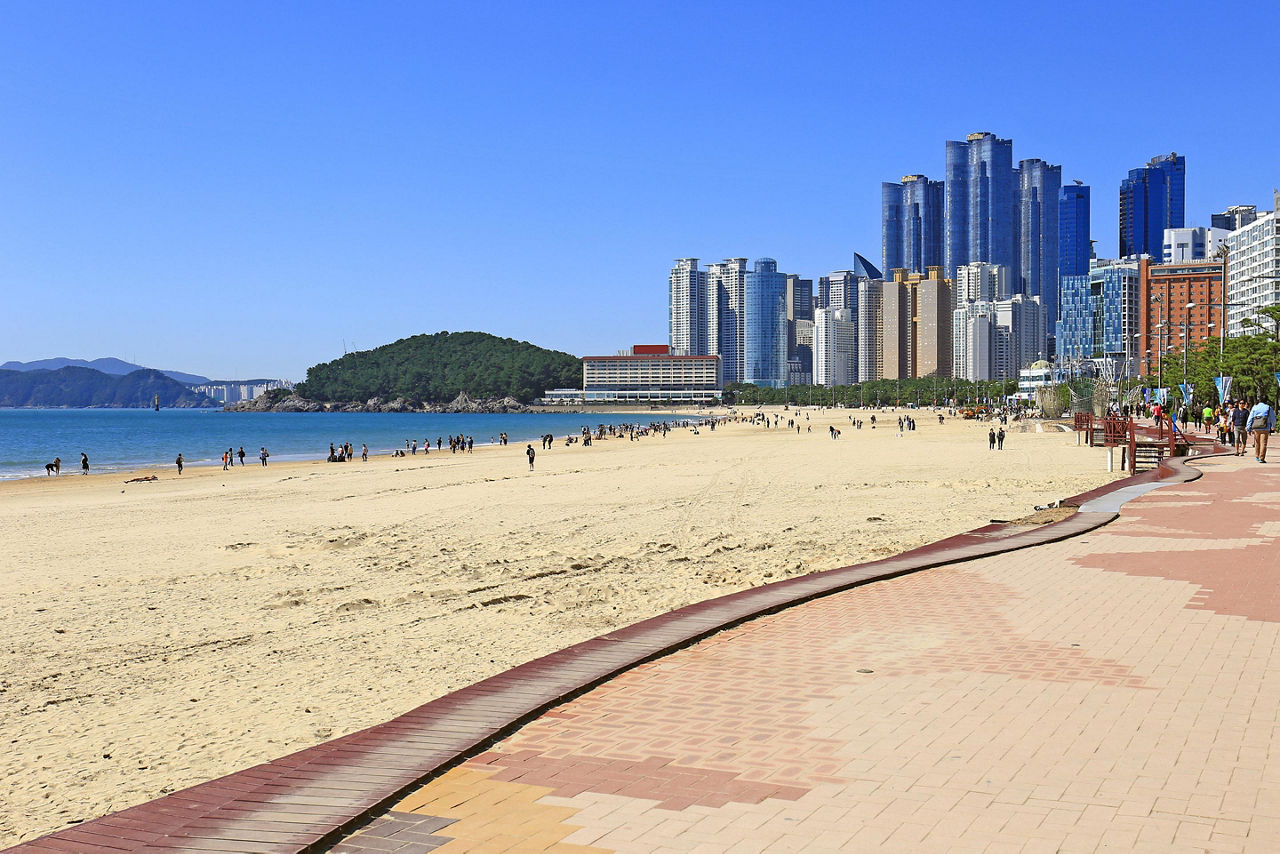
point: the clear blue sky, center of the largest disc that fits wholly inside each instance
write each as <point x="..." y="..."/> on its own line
<point x="236" y="189"/>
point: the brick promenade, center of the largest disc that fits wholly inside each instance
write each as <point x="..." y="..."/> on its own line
<point x="1118" y="691"/>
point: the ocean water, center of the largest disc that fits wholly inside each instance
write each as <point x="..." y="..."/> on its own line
<point x="118" y="439"/>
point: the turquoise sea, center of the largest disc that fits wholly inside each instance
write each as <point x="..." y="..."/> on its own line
<point x="117" y="439"/>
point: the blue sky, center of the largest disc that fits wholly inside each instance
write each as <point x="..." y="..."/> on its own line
<point x="240" y="189"/>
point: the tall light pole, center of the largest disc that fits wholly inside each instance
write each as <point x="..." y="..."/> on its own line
<point x="1186" y="341"/>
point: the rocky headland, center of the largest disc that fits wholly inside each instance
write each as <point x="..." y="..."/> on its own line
<point x="296" y="403"/>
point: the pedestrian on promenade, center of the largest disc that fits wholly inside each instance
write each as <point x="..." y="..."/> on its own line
<point x="1240" y="427"/>
<point x="529" y="452"/>
<point x="1262" y="420"/>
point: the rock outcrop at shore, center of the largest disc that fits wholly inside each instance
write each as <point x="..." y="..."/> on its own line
<point x="294" y="403"/>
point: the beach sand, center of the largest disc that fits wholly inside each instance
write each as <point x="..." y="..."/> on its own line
<point x="161" y="634"/>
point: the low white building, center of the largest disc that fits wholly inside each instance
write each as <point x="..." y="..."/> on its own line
<point x="648" y="374"/>
<point x="1192" y="244"/>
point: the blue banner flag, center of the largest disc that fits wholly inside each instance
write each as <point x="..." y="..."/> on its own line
<point x="1223" y="385"/>
<point x="1186" y="392"/>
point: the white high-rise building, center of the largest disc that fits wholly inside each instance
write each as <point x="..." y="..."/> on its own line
<point x="835" y="347"/>
<point x="842" y="290"/>
<point x="1192" y="244"/>
<point x="689" y="322"/>
<point x="973" y="339"/>
<point x="982" y="282"/>
<point x="994" y="340"/>
<point x="726" y="316"/>
<point x="1253" y="270"/>
<point x="1020" y="337"/>
<point x="870" y="330"/>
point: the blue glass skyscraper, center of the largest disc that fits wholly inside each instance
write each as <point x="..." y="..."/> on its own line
<point x="1038" y="186"/>
<point x="911" y="223"/>
<point x="1073" y="230"/>
<point x="1152" y="198"/>
<point x="981" y="203"/>
<point x="765" y="326"/>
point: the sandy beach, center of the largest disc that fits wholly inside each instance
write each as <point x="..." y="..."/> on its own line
<point x="161" y="634"/>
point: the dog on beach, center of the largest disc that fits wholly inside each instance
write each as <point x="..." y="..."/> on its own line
<point x="54" y="467"/>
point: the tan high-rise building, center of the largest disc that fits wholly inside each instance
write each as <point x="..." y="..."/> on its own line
<point x="917" y="315"/>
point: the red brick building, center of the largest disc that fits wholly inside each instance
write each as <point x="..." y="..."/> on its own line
<point x="1166" y="324"/>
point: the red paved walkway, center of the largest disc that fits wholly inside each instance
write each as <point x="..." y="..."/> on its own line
<point x="1114" y="691"/>
<point x="1117" y="691"/>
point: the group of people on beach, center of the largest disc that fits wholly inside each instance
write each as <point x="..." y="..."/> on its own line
<point x="1233" y="423"/>
<point x="55" y="468"/>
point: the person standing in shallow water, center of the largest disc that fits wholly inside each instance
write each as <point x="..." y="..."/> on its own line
<point x="529" y="452"/>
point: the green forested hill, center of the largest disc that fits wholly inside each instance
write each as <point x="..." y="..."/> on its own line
<point x="76" y="387"/>
<point x="435" y="368"/>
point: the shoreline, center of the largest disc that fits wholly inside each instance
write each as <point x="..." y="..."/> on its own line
<point x="132" y="467"/>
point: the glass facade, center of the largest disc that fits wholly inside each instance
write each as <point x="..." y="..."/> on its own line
<point x="981" y="203"/>
<point x="1152" y="198"/>
<point x="1073" y="230"/>
<point x="765" y="310"/>
<point x="1098" y="315"/>
<point x="1039" y="185"/>
<point x="911" y="223"/>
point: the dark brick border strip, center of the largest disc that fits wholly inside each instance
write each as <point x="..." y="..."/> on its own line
<point x="309" y="800"/>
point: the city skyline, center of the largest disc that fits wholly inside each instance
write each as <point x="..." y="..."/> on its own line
<point x="240" y="190"/>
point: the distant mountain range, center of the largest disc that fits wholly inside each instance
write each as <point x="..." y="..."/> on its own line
<point x="78" y="387"/>
<point x="115" y="367"/>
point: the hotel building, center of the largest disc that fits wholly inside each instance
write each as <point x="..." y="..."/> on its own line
<point x="646" y="373"/>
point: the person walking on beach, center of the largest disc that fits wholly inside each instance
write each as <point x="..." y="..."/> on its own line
<point x="1262" y="420"/>
<point x="55" y="467"/>
<point x="1000" y="440"/>
<point x="241" y="455"/>
<point x="178" y="463"/>
<point x="225" y="456"/>
<point x="84" y="463"/>
<point x="262" y="455"/>
<point x="991" y="439"/>
<point x="231" y="456"/>
<point x="364" y="452"/>
<point x="529" y="452"/>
